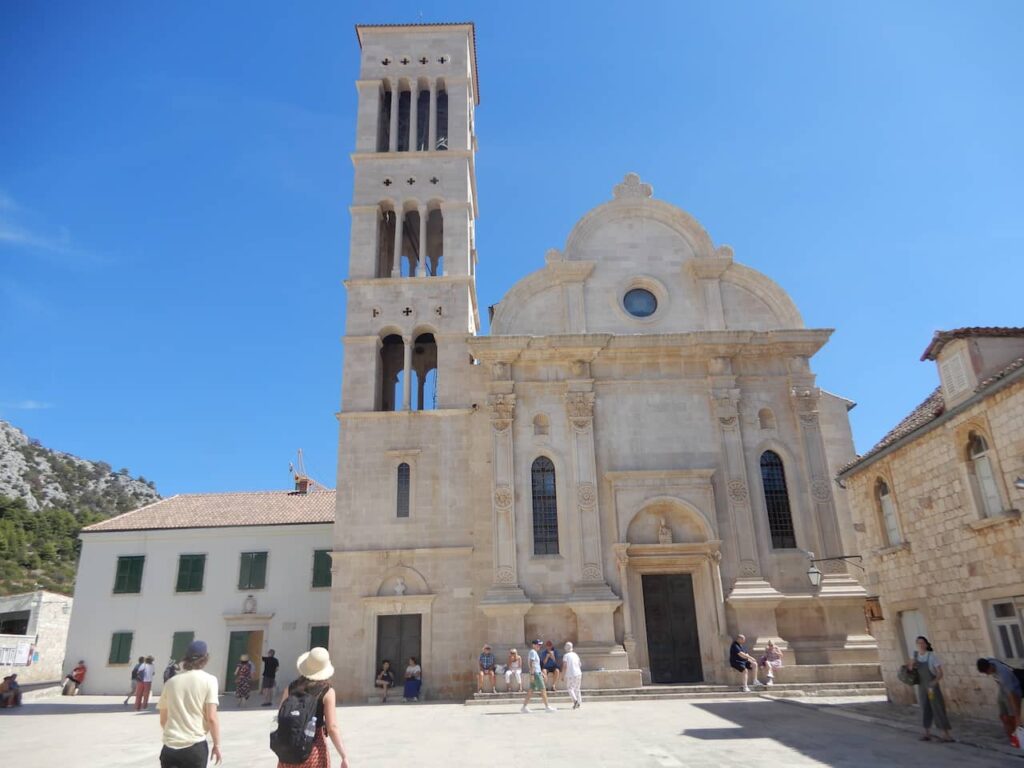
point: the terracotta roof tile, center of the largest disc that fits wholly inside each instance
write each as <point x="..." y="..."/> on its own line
<point x="224" y="510"/>
<point x="933" y="406"/>
<point x="942" y="338"/>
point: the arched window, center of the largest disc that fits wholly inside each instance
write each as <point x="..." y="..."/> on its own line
<point x="545" y="507"/>
<point x="403" y="490"/>
<point x="424" y="366"/>
<point x="442" y="120"/>
<point x="986" y="491"/>
<point x="776" y="501"/>
<point x="887" y="512"/>
<point x="391" y="371"/>
<point x="766" y="418"/>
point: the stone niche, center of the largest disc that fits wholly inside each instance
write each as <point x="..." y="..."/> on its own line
<point x="666" y="522"/>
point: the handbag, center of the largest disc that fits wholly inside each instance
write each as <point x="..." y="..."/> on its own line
<point x="909" y="677"/>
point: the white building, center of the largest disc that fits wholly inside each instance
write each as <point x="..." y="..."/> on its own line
<point x="245" y="572"/>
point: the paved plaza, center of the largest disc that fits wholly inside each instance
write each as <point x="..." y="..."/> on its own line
<point x="94" y="731"/>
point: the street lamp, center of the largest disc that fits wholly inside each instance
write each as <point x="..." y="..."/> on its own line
<point x="814" y="575"/>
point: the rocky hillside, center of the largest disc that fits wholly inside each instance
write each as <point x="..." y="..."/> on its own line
<point x="46" y="496"/>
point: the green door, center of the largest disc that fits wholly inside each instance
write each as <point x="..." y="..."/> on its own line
<point x="237" y="645"/>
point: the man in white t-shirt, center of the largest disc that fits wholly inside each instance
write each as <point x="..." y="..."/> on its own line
<point x="572" y="671"/>
<point x="188" y="711"/>
<point x="536" y="678"/>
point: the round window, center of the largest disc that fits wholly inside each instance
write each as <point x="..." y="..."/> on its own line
<point x="640" y="302"/>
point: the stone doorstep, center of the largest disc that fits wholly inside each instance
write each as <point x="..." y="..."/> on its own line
<point x="965" y="731"/>
<point x="675" y="692"/>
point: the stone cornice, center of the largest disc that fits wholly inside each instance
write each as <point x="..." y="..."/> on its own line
<point x="695" y="345"/>
<point x="360" y="282"/>
<point x="433" y="414"/>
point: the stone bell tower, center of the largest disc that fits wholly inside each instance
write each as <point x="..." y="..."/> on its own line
<point x="412" y="257"/>
<point x="404" y="518"/>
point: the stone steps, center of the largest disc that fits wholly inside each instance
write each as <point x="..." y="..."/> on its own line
<point x="697" y="691"/>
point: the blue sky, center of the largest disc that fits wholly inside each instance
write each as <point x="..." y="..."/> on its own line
<point x="174" y="183"/>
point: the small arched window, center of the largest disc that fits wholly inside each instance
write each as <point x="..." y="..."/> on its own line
<point x="887" y="512"/>
<point x="403" y="490"/>
<point x="766" y="418"/>
<point x="541" y="424"/>
<point x="545" y="507"/>
<point x="776" y="501"/>
<point x="986" y="491"/>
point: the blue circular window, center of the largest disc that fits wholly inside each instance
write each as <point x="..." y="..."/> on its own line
<point x="640" y="302"/>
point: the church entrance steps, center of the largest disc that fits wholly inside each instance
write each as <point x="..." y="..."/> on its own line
<point x="695" y="691"/>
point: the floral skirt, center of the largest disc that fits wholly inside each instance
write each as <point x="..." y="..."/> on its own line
<point x="319" y="756"/>
<point x="242" y="687"/>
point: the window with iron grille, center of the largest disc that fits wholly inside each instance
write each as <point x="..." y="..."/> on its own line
<point x="545" y="507"/>
<point x="776" y="501"/>
<point x="403" y="489"/>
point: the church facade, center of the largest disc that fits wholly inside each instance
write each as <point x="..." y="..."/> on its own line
<point x="636" y="458"/>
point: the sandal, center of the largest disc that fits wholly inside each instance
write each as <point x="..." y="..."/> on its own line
<point x="925" y="738"/>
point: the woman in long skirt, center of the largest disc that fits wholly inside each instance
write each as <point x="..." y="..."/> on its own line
<point x="315" y="672"/>
<point x="929" y="694"/>
<point x="413" y="680"/>
<point x="243" y="680"/>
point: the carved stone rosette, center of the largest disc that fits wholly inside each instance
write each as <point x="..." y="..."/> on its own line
<point x="586" y="494"/>
<point x="503" y="497"/>
<point x="821" y="489"/>
<point x="737" y="490"/>
<point x="592" y="572"/>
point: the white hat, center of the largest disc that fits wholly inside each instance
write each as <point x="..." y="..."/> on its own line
<point x="316" y="665"/>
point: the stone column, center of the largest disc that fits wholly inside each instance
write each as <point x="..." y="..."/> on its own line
<point x="407" y="375"/>
<point x="432" y="125"/>
<point x="589" y="568"/>
<point x="396" y="93"/>
<point x="414" y="94"/>
<point x="752" y="598"/>
<point x="506" y="571"/>
<point x="422" y="266"/>
<point x="805" y="400"/>
<point x="396" y="265"/>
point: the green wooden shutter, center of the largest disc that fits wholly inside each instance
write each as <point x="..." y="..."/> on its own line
<point x="244" y="570"/>
<point x="319" y="636"/>
<point x="120" y="648"/>
<point x="190" y="573"/>
<point x="129" y="575"/>
<point x="252" y="570"/>
<point x="180" y="643"/>
<point x="322" y="568"/>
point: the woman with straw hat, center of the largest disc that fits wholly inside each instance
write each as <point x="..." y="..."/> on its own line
<point x="315" y="672"/>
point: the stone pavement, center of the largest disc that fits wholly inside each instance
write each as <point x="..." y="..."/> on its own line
<point x="987" y="734"/>
<point x="94" y="731"/>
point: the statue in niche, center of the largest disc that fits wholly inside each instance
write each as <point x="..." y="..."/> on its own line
<point x="664" y="532"/>
<point x="400" y="587"/>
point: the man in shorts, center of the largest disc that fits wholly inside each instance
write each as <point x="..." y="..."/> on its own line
<point x="270" y="665"/>
<point x="742" y="661"/>
<point x="536" y="679"/>
<point x="487" y="670"/>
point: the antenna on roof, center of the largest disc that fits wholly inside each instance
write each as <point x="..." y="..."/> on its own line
<point x="303" y="482"/>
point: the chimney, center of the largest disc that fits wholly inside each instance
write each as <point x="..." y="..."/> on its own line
<point x="301" y="484"/>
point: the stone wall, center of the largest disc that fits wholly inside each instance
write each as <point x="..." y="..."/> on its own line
<point x="952" y="562"/>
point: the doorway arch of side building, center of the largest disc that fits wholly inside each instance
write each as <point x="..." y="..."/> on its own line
<point x="673" y="610"/>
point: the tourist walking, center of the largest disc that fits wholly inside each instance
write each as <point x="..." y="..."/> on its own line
<point x="770" y="660"/>
<point x="142" y="690"/>
<point x="413" y="680"/>
<point x="135" y="680"/>
<point x="188" y="711"/>
<point x="269" y="683"/>
<point x="486" y="670"/>
<point x="312" y="685"/>
<point x="929" y="694"/>
<point x="536" y="679"/>
<point x="572" y="669"/>
<point x="243" y="679"/>
<point x="1010" y="694"/>
<point x="514" y="671"/>
<point x="385" y="679"/>
<point x="743" y="662"/>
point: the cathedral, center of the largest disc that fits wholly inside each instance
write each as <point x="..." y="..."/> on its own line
<point x="636" y="458"/>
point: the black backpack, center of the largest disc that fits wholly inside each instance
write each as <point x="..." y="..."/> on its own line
<point x="296" y="727"/>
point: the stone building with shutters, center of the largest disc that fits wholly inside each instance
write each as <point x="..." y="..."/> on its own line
<point x="636" y="458"/>
<point x="936" y="505"/>
<point x="245" y="572"/>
